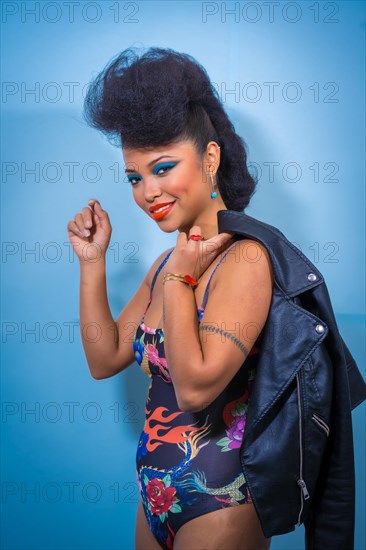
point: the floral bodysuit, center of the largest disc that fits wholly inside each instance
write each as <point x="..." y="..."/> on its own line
<point x="188" y="464"/>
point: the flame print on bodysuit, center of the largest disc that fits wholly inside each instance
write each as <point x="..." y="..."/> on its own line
<point x="173" y="435"/>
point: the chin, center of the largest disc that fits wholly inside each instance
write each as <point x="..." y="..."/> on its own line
<point x="168" y="230"/>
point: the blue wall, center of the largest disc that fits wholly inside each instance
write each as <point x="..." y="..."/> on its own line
<point x="297" y="80"/>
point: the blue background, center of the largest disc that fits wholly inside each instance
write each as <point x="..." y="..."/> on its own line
<point x="313" y="128"/>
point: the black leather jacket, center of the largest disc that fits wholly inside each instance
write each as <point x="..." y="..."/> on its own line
<point x="297" y="451"/>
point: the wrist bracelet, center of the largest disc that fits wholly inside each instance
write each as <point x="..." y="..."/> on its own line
<point x="187" y="279"/>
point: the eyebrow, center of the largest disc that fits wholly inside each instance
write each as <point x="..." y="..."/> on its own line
<point x="129" y="170"/>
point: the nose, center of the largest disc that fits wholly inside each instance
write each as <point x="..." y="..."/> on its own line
<point x="151" y="189"/>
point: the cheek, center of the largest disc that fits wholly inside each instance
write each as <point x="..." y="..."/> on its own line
<point x="188" y="182"/>
<point x="137" y="197"/>
<point x="177" y="186"/>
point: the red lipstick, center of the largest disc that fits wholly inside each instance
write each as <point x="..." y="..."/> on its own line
<point x="166" y="208"/>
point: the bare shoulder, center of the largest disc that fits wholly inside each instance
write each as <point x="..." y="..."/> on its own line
<point x="248" y="258"/>
<point x="150" y="274"/>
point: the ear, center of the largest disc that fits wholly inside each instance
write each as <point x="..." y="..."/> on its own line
<point x="213" y="156"/>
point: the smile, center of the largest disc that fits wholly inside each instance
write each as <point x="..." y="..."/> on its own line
<point x="158" y="214"/>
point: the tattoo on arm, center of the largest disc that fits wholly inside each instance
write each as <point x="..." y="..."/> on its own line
<point x="227" y="335"/>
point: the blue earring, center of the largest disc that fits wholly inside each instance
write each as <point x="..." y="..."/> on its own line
<point x="213" y="194"/>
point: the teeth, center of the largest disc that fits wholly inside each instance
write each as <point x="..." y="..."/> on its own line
<point x="162" y="208"/>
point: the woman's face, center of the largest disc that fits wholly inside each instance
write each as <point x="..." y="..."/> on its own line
<point x="173" y="174"/>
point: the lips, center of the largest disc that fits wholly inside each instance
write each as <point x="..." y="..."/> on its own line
<point x="166" y="208"/>
<point x="158" y="206"/>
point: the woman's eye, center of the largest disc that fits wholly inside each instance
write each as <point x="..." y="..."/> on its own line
<point x="158" y="170"/>
<point x="133" y="179"/>
<point x="165" y="167"/>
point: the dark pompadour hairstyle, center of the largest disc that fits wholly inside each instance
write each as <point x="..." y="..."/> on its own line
<point x="162" y="97"/>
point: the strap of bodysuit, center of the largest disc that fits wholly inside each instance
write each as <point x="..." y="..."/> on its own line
<point x="205" y="297"/>
<point x="155" y="276"/>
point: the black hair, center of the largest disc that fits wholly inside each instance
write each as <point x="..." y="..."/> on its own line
<point x="162" y="97"/>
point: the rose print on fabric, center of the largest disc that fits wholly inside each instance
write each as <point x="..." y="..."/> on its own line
<point x="234" y="415"/>
<point x="236" y="431"/>
<point x="162" y="496"/>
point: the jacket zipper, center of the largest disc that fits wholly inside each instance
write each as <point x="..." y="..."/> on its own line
<point x="304" y="491"/>
<point x="321" y="423"/>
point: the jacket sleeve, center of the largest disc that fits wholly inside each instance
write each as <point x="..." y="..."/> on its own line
<point x="357" y="385"/>
<point x="330" y="522"/>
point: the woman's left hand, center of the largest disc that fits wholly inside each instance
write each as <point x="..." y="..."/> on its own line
<point x="192" y="257"/>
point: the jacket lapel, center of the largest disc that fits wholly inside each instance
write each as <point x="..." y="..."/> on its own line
<point x="288" y="338"/>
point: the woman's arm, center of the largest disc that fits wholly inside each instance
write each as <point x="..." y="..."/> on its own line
<point x="108" y="343"/>
<point x="203" y="359"/>
<point x="98" y="329"/>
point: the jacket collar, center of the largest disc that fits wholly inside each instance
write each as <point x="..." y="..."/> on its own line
<point x="293" y="272"/>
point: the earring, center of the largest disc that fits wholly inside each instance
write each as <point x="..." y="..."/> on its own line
<point x="213" y="194"/>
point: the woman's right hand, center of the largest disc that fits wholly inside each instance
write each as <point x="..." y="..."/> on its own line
<point x="91" y="226"/>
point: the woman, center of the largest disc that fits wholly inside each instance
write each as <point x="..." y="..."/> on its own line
<point x="184" y="162"/>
